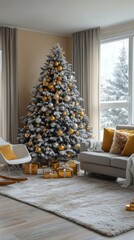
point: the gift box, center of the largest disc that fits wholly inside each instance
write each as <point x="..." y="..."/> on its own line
<point x="31" y="168"/>
<point x="65" y="172"/>
<point x="55" y="166"/>
<point x="52" y="162"/>
<point x="42" y="170"/>
<point x="75" y="165"/>
<point x="130" y="207"/>
<point x="51" y="175"/>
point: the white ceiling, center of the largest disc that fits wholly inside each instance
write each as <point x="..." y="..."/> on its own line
<point x="64" y="16"/>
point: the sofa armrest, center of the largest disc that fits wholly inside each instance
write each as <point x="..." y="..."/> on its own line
<point x="88" y="145"/>
<point x="91" y="145"/>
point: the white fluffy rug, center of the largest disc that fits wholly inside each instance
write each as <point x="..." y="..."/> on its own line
<point x="94" y="203"/>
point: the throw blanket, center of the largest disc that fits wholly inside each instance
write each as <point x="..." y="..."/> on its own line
<point x="130" y="172"/>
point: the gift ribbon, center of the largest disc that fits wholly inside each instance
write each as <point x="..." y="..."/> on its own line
<point x="64" y="170"/>
<point x="30" y="168"/>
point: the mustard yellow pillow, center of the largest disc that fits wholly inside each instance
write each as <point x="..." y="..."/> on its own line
<point x="7" y="152"/>
<point x="107" y="139"/>
<point x="129" y="146"/>
<point x="126" y="130"/>
<point x="119" y="141"/>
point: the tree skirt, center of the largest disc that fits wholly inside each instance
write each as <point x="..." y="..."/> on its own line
<point x="96" y="204"/>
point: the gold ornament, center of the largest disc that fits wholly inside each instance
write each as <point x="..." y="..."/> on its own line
<point x="64" y="113"/>
<point x="82" y="113"/>
<point x="77" y="146"/>
<point x="70" y="85"/>
<point x="77" y="133"/>
<point x="38" y="149"/>
<point x="53" y="89"/>
<point x="73" y="115"/>
<point x="44" y="98"/>
<point x="61" y="147"/>
<point x="50" y="86"/>
<point x="59" y="68"/>
<point x="59" y="132"/>
<point x="68" y="89"/>
<point x="69" y="154"/>
<point x="56" y="63"/>
<point x="59" y="82"/>
<point x="59" y="78"/>
<point x="45" y="84"/>
<point x="52" y="118"/>
<point x="81" y="126"/>
<point x="71" y="131"/>
<point x="38" y="136"/>
<point x="27" y="135"/>
<point x="88" y="128"/>
<point x="44" y="129"/>
<point x="30" y="143"/>
<point x="56" y="96"/>
<point x="37" y="125"/>
<point x="41" y="90"/>
<point x="58" y="92"/>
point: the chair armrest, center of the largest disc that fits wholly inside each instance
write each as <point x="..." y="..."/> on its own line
<point x="20" y="150"/>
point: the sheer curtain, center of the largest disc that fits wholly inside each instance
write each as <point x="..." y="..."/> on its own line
<point x="86" y="50"/>
<point x="8" y="84"/>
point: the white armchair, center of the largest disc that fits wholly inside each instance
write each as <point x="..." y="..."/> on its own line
<point x="20" y="151"/>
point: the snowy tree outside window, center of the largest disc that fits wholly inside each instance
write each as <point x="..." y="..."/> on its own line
<point x="114" y="85"/>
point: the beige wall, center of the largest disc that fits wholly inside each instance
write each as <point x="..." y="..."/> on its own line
<point x="32" y="50"/>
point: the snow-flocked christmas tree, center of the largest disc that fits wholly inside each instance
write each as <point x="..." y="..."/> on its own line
<point x="55" y="123"/>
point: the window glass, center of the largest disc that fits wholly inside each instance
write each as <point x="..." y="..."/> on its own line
<point x="114" y="83"/>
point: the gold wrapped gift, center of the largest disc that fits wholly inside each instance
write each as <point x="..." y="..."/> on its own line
<point x="130" y="207"/>
<point x="65" y="172"/>
<point x="52" y="162"/>
<point x="55" y="166"/>
<point x="75" y="165"/>
<point x="51" y="175"/>
<point x="31" y="168"/>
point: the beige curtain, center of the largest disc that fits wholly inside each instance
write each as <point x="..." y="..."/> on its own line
<point x="86" y="47"/>
<point x="9" y="88"/>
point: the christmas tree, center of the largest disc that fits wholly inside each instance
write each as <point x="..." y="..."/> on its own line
<point x="55" y="123"/>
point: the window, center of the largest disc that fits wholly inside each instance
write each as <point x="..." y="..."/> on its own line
<point x="116" y="83"/>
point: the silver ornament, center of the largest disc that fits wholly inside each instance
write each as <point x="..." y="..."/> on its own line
<point x="38" y="120"/>
<point x="68" y="146"/>
<point x="67" y="98"/>
<point x="50" y="105"/>
<point x="55" y="145"/>
<point x="62" y="108"/>
<point x="75" y="126"/>
<point x="43" y="109"/>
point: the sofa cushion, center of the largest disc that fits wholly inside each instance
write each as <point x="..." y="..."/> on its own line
<point x="119" y="141"/>
<point x="101" y="158"/>
<point x="107" y="139"/>
<point x="119" y="162"/>
<point x="129" y="147"/>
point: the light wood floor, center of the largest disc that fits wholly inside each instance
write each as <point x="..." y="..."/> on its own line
<point x="24" y="222"/>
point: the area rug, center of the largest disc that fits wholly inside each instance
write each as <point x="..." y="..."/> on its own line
<point x="96" y="204"/>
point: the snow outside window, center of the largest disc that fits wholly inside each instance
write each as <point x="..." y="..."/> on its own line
<point x="115" y="84"/>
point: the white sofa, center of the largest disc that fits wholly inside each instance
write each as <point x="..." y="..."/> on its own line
<point x="103" y="162"/>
